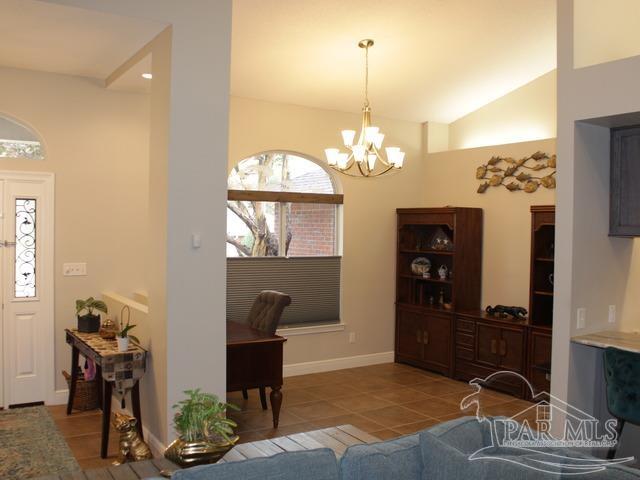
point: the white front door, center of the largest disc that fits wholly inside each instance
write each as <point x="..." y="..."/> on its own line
<point x="26" y="247"/>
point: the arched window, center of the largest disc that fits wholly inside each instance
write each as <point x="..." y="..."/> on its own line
<point x="281" y="204"/>
<point x="18" y="141"/>
<point x="282" y="229"/>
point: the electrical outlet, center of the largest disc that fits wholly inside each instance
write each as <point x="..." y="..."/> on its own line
<point x="74" y="269"/>
<point x="581" y="318"/>
<point x="352" y="337"/>
<point x="612" y="314"/>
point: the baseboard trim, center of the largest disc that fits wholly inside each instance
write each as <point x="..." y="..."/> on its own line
<point x="59" y="397"/>
<point x="337" y="363"/>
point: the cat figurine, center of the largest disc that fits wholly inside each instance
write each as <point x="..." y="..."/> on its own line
<point x="132" y="448"/>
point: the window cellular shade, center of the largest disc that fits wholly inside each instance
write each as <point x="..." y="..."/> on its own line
<point x="313" y="283"/>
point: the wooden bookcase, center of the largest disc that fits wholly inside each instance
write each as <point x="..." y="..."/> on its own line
<point x="541" y="296"/>
<point x="425" y="307"/>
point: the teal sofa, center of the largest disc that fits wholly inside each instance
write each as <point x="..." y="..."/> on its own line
<point x="440" y="453"/>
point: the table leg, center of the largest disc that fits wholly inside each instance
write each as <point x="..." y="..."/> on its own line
<point x="276" y="403"/>
<point x="106" y="417"/>
<point x="75" y="358"/>
<point x="98" y="379"/>
<point x="135" y="405"/>
<point x="263" y="397"/>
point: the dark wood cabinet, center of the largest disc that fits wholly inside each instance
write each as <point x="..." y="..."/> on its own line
<point x="450" y="239"/>
<point x="624" y="206"/>
<point x="486" y="345"/>
<point x="539" y="359"/>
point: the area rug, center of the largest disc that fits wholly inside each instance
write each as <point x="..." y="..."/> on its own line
<point x="31" y="445"/>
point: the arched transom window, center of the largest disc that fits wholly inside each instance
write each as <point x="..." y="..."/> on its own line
<point x="281" y="204"/>
<point x="18" y="141"/>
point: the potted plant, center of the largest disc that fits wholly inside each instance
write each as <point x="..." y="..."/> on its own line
<point x="205" y="434"/>
<point x="89" y="322"/>
<point x="123" y="337"/>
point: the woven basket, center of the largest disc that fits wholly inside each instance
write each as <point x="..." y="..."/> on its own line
<point x="86" y="397"/>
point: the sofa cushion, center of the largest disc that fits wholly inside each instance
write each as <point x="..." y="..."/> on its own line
<point x="395" y="459"/>
<point x="449" y="451"/>
<point x="319" y="464"/>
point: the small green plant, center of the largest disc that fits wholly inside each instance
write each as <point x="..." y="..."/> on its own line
<point x="202" y="416"/>
<point x="90" y="304"/>
<point x="124" y="332"/>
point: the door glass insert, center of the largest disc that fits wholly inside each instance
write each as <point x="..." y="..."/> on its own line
<point x="25" y="260"/>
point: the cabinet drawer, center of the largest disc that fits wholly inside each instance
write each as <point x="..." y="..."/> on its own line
<point x="465" y="339"/>
<point x="464" y="353"/>
<point x="465" y="326"/>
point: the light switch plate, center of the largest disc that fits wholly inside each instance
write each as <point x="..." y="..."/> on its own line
<point x="612" y="314"/>
<point x="74" y="269"/>
<point x="581" y="317"/>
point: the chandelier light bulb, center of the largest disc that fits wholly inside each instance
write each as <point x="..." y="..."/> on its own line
<point x="377" y="141"/>
<point x="359" y="152"/>
<point x="342" y="160"/>
<point x="348" y="136"/>
<point x="332" y="155"/>
<point x="371" y="160"/>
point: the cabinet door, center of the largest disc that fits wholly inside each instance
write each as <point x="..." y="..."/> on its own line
<point x="540" y="360"/>
<point x="437" y="340"/>
<point x="511" y="349"/>
<point x="409" y="334"/>
<point x="488" y="340"/>
<point x="624" y="214"/>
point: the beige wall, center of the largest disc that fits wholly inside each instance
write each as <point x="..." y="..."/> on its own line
<point x="97" y="145"/>
<point x="605" y="31"/>
<point x="528" y="113"/>
<point x="368" y="286"/>
<point x="449" y="179"/>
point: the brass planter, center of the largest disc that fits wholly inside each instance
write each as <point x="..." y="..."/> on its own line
<point x="188" y="454"/>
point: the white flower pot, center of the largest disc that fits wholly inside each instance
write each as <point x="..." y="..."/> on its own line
<point x="123" y="344"/>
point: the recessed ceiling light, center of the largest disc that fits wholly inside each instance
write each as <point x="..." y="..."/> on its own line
<point x="148" y="76"/>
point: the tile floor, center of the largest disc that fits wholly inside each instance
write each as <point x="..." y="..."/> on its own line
<point x="386" y="400"/>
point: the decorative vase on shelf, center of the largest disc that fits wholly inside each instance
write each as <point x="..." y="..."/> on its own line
<point x="123" y="344"/>
<point x="442" y="272"/>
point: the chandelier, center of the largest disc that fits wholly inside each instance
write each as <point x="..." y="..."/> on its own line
<point x="364" y="158"/>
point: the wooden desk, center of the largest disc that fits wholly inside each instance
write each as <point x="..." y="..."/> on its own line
<point x="113" y="368"/>
<point x="254" y="359"/>
<point x="610" y="338"/>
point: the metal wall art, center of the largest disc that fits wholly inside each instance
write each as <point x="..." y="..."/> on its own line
<point x="523" y="174"/>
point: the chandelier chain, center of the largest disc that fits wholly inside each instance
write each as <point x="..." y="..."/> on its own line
<point x="366" y="76"/>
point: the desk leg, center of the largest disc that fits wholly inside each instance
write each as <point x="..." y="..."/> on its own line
<point x="106" y="417"/>
<point x="75" y="358"/>
<point x="276" y="403"/>
<point x="135" y="405"/>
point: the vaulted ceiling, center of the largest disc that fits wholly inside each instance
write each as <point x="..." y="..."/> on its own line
<point x="434" y="60"/>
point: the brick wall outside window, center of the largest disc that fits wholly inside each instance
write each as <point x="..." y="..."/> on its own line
<point x="313" y="229"/>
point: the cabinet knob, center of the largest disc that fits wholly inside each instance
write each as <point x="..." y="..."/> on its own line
<point x="494" y="346"/>
<point x="425" y="338"/>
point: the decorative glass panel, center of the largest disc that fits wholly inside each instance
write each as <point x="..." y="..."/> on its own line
<point x="25" y="264"/>
<point x="17" y="141"/>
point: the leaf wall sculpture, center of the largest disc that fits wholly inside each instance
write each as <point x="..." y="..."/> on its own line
<point x="513" y="175"/>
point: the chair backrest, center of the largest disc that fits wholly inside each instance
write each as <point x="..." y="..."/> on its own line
<point x="267" y="310"/>
<point x="622" y="374"/>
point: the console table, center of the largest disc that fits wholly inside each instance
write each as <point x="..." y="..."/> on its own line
<point x="114" y="370"/>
